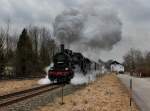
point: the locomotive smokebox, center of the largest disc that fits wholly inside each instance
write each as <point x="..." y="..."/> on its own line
<point x="62" y="47"/>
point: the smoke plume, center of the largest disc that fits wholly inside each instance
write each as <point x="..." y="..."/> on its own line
<point x="102" y="30"/>
<point x="68" y="26"/>
<point x="90" y="27"/>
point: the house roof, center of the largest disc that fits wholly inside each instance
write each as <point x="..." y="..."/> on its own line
<point x="115" y="62"/>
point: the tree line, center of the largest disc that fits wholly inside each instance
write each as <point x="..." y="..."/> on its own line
<point x="137" y="62"/>
<point x="27" y="53"/>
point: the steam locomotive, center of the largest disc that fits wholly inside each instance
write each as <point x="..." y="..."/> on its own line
<point x="65" y="63"/>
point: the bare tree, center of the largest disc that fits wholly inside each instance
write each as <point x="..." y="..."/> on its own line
<point x="135" y="61"/>
<point x="2" y="53"/>
<point x="131" y="59"/>
<point x="147" y="59"/>
<point x="7" y="38"/>
<point x="43" y="45"/>
<point x="34" y="32"/>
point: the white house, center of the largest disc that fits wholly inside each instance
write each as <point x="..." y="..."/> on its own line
<point x="117" y="67"/>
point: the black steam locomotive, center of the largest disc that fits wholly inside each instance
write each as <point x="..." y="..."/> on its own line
<point x="65" y="63"/>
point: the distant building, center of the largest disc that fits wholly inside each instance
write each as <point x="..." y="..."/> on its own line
<point x="116" y="67"/>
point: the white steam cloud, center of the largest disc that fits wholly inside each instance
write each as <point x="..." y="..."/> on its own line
<point x="78" y="78"/>
<point x="46" y="79"/>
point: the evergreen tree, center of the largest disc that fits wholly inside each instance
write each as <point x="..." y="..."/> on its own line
<point x="2" y="59"/>
<point x="24" y="55"/>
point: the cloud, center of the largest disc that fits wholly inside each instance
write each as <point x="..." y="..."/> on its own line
<point x="134" y="15"/>
<point x="30" y="11"/>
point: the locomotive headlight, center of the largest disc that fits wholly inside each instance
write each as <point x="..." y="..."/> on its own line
<point x="66" y="68"/>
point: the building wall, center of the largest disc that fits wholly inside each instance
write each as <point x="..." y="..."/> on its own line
<point x="117" y="68"/>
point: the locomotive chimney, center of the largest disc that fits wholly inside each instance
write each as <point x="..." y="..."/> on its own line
<point x="62" y="47"/>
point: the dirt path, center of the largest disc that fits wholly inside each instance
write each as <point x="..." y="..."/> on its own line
<point x="105" y="94"/>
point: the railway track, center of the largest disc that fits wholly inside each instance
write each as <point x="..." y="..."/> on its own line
<point x="15" y="97"/>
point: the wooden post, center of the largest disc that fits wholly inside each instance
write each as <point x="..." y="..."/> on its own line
<point x="62" y="94"/>
<point x="131" y="92"/>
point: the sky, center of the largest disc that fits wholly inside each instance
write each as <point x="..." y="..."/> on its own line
<point x="134" y="15"/>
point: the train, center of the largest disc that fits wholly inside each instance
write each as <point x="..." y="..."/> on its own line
<point x="66" y="62"/>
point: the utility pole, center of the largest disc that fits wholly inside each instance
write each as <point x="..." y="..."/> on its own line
<point x="131" y="74"/>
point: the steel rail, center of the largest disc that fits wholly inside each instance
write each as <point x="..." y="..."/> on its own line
<point x="12" y="98"/>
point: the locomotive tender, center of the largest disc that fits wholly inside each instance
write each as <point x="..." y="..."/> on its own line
<point x="65" y="63"/>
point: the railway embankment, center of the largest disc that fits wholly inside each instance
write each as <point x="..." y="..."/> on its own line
<point x="104" y="94"/>
<point x="11" y="86"/>
<point x="33" y="102"/>
<point x="107" y="93"/>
